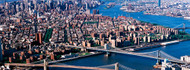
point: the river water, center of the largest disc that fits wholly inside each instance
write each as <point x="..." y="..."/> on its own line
<point x="138" y="63"/>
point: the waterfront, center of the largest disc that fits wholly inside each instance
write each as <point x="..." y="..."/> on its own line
<point x="161" y="20"/>
<point x="138" y="63"/>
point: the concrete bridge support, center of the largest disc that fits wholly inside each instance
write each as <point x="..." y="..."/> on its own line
<point x="158" y="56"/>
<point x="108" y="54"/>
<point x="45" y="64"/>
<point x="116" y="66"/>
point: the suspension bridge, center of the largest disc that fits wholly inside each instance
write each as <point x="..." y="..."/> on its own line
<point x="115" y="66"/>
<point x="159" y="55"/>
<point x="181" y="28"/>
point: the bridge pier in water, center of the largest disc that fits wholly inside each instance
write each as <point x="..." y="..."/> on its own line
<point x="117" y="66"/>
<point x="158" y="56"/>
<point x="45" y="64"/>
<point x="108" y="54"/>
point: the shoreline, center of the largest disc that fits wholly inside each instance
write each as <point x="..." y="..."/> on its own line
<point x="155" y="46"/>
<point x="68" y="59"/>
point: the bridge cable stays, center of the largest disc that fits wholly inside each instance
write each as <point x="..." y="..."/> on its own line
<point x="180" y="25"/>
<point x="183" y="28"/>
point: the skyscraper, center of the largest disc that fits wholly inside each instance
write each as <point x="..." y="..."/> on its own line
<point x="86" y="6"/>
<point x="159" y="3"/>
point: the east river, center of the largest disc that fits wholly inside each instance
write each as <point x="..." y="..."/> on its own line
<point x="138" y="63"/>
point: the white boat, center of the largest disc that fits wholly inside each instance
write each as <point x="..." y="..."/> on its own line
<point x="130" y="10"/>
<point x="123" y="8"/>
<point x="187" y="18"/>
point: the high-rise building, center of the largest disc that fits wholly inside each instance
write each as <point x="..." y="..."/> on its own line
<point x="113" y="43"/>
<point x="106" y="46"/>
<point x="86" y="6"/>
<point x="38" y="38"/>
<point x="66" y="7"/>
<point x="159" y="3"/>
<point x="94" y="11"/>
<point x="97" y="12"/>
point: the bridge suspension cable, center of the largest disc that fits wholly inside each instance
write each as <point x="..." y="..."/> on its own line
<point x="107" y="66"/>
<point x="148" y="53"/>
<point x="122" y="67"/>
<point x="179" y="25"/>
<point x="162" y="55"/>
<point x="167" y="56"/>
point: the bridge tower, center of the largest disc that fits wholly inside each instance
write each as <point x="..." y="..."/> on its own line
<point x="183" y="27"/>
<point x="117" y="66"/>
<point x="158" y="56"/>
<point x="45" y="64"/>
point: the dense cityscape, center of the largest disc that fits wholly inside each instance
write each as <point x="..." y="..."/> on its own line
<point x="175" y="8"/>
<point x="37" y="34"/>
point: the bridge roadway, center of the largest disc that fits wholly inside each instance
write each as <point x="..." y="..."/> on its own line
<point x="182" y="28"/>
<point x="123" y="52"/>
<point x="63" y="66"/>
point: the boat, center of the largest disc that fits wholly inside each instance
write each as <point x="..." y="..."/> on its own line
<point x="187" y="18"/>
<point x="110" y="5"/>
<point x="130" y="11"/>
<point x="123" y="8"/>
